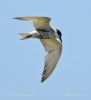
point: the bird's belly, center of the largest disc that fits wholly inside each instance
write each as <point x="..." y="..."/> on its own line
<point x="45" y="33"/>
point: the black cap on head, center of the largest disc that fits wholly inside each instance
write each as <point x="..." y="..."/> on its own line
<point x="60" y="34"/>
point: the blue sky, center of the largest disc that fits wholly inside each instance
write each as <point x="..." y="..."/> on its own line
<point x="22" y="62"/>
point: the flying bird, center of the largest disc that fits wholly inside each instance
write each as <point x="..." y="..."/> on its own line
<point x="47" y="36"/>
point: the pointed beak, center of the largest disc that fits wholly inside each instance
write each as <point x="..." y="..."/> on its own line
<point x="60" y="39"/>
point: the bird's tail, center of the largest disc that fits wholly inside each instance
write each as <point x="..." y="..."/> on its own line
<point x="27" y="35"/>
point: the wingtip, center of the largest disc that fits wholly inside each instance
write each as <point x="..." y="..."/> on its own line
<point x="42" y="80"/>
<point x="19" y="18"/>
<point x="15" y="18"/>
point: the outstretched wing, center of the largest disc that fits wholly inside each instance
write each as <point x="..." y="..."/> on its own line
<point x="54" y="49"/>
<point x="39" y="22"/>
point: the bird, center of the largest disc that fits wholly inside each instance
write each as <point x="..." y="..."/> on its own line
<point x="47" y="36"/>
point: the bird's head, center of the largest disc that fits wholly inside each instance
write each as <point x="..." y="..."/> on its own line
<point x="59" y="34"/>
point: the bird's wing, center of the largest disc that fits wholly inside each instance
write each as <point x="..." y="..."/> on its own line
<point x="39" y="22"/>
<point x="53" y="49"/>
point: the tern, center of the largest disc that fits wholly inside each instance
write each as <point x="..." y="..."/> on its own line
<point x="47" y="36"/>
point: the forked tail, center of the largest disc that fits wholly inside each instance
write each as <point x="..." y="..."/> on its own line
<point x="25" y="36"/>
